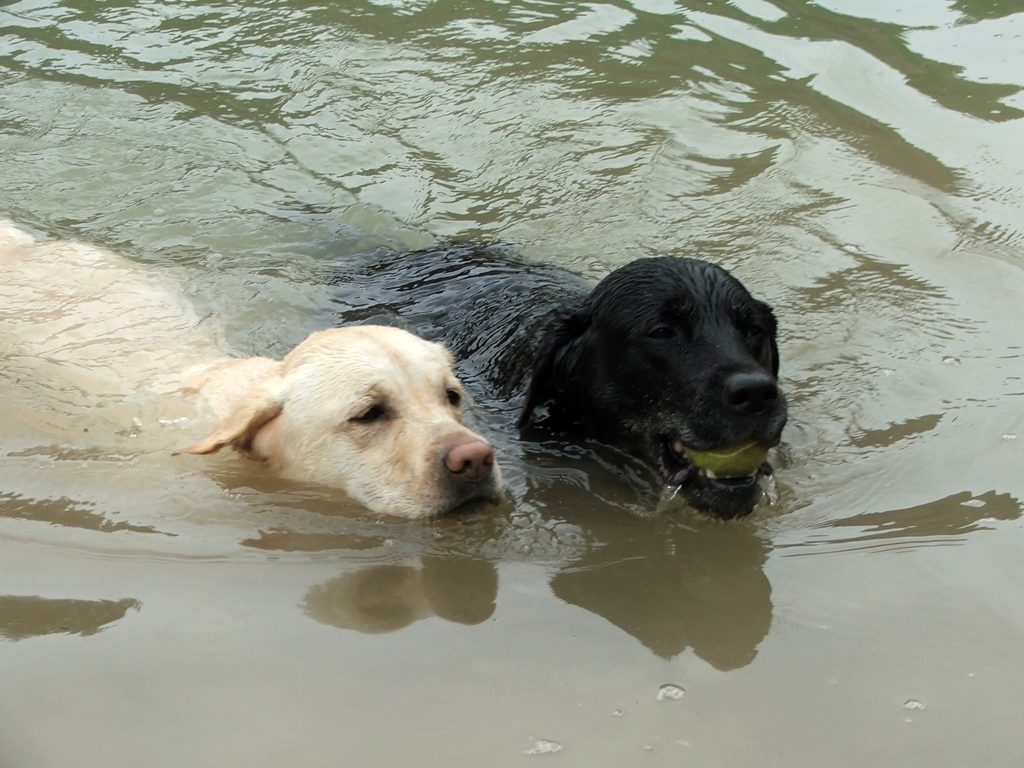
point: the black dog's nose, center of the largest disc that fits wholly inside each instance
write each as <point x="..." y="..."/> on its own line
<point x="751" y="392"/>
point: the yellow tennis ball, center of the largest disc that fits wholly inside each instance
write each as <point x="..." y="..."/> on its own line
<point x="733" y="461"/>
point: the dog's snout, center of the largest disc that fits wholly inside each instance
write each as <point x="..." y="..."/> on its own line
<point x="751" y="393"/>
<point x="472" y="460"/>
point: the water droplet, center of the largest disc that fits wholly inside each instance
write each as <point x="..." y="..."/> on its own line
<point x="669" y="692"/>
<point x="950" y="360"/>
<point x="975" y="503"/>
<point x="134" y="430"/>
<point x="181" y="421"/>
<point x="544" y="747"/>
<point x="617" y="713"/>
<point x="913" y="704"/>
<point x="888" y="371"/>
<point x="1009" y="436"/>
<point x="648" y="748"/>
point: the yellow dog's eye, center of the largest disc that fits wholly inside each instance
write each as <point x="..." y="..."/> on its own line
<point x="454" y="396"/>
<point x="370" y="415"/>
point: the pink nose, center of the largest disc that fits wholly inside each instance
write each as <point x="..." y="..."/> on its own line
<point x="472" y="460"/>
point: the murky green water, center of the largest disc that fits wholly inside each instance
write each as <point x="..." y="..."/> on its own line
<point x="857" y="163"/>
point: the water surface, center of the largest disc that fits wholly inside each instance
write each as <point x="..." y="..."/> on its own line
<point x="856" y="163"/>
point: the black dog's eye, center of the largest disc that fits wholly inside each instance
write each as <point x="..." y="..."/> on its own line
<point x="370" y="415"/>
<point x="662" y="332"/>
<point x="754" y="334"/>
<point x="454" y="396"/>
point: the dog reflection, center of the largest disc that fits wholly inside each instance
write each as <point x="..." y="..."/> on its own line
<point x="24" y="616"/>
<point x="671" y="587"/>
<point x="386" y="598"/>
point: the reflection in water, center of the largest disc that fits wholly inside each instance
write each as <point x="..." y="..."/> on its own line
<point x="958" y="514"/>
<point x="894" y="433"/>
<point x="887" y="43"/>
<point x="669" y="578"/>
<point x="66" y="512"/>
<point x="669" y="585"/>
<point x="281" y="539"/>
<point x="987" y="9"/>
<point x="880" y="287"/>
<point x="944" y="521"/>
<point x="385" y="598"/>
<point x="673" y="587"/>
<point x="30" y="616"/>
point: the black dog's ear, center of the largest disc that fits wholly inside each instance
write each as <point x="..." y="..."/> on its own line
<point x="556" y="357"/>
<point x="773" y="347"/>
<point x="775" y="356"/>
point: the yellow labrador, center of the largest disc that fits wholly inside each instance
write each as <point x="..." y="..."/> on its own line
<point x="373" y="410"/>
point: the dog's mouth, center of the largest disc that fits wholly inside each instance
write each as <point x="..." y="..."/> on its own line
<point x="723" y="482"/>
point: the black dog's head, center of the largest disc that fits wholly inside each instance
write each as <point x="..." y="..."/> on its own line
<point x="667" y="357"/>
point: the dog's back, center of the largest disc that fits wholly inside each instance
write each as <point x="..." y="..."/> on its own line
<point x="81" y="329"/>
<point x="486" y="305"/>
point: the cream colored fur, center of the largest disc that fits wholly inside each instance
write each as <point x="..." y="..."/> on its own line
<point x="110" y="329"/>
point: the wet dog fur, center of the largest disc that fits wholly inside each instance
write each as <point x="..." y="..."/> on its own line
<point x="375" y="411"/>
<point x="662" y="354"/>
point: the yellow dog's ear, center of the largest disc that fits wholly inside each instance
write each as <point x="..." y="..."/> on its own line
<point x="256" y="409"/>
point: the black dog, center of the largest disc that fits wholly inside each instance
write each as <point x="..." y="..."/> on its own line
<point x="664" y="357"/>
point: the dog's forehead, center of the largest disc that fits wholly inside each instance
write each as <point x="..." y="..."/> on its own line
<point x="648" y="289"/>
<point x="368" y="345"/>
<point x="345" y="366"/>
